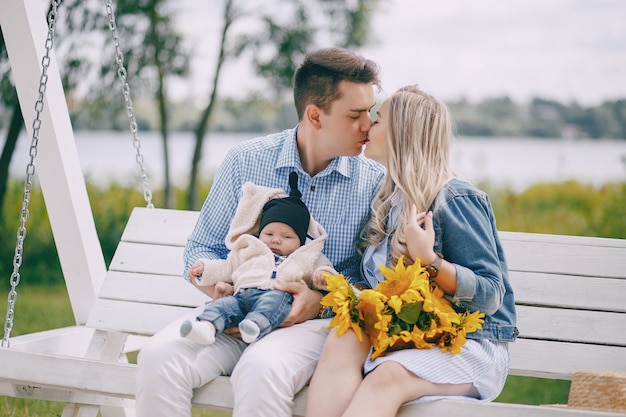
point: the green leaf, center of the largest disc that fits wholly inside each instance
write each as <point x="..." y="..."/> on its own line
<point x="423" y="323"/>
<point x="410" y="313"/>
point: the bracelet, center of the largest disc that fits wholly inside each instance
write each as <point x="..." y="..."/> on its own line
<point x="433" y="268"/>
<point x="321" y="312"/>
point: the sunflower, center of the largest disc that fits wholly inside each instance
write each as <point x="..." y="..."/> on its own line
<point x="405" y="310"/>
<point x="342" y="298"/>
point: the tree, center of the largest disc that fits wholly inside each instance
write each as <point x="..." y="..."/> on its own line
<point x="286" y="32"/>
<point x="152" y="52"/>
<point x="151" y="49"/>
<point x="8" y="96"/>
<point x="159" y="53"/>
<point x="229" y="15"/>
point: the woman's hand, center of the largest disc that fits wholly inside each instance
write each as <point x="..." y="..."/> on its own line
<point x="306" y="302"/>
<point x="420" y="236"/>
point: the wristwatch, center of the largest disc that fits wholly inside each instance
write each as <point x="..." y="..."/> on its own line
<point x="433" y="269"/>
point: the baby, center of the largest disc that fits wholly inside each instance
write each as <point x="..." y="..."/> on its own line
<point x="288" y="248"/>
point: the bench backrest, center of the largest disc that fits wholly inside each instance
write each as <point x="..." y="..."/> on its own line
<point x="569" y="290"/>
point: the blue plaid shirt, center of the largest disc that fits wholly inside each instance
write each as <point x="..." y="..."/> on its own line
<point x="338" y="198"/>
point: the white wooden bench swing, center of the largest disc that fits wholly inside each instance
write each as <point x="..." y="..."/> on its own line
<point x="570" y="291"/>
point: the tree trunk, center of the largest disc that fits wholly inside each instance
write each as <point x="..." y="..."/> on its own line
<point x="203" y="123"/>
<point x="13" y="133"/>
<point x="164" y="126"/>
<point x="162" y="102"/>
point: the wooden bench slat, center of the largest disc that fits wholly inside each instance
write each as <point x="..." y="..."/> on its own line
<point x="579" y="259"/>
<point x="604" y="294"/>
<point x="155" y="289"/>
<point x="563" y="240"/>
<point x="92" y="376"/>
<point x="63" y="395"/>
<point x="559" y="360"/>
<point x="571" y="325"/>
<point x="148" y="259"/>
<point x="133" y="318"/>
<point x="449" y="408"/>
<point x="160" y="226"/>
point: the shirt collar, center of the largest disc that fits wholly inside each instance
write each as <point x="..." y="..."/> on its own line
<point x="290" y="158"/>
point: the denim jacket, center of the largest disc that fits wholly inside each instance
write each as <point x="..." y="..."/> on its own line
<point x="466" y="236"/>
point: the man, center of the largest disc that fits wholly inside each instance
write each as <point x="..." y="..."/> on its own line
<point x="333" y="94"/>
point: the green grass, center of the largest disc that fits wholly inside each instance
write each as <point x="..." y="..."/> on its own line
<point x="536" y="391"/>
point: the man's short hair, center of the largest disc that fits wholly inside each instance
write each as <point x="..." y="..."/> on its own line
<point x="317" y="79"/>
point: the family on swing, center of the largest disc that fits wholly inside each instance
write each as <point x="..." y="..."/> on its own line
<point x="376" y="191"/>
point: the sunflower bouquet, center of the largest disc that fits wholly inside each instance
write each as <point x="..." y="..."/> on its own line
<point x="405" y="310"/>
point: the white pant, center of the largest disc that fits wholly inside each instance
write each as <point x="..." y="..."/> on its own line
<point x="267" y="375"/>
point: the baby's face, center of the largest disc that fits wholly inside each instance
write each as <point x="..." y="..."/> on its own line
<point x="280" y="238"/>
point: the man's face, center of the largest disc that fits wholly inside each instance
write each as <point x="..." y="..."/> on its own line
<point x="344" y="129"/>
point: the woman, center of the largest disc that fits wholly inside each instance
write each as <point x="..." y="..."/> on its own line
<point x="422" y="211"/>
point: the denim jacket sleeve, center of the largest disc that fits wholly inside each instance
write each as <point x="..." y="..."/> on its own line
<point x="466" y="236"/>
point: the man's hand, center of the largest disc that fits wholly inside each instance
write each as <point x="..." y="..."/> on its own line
<point x="306" y="303"/>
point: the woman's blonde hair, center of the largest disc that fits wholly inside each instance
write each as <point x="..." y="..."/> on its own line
<point x="419" y="132"/>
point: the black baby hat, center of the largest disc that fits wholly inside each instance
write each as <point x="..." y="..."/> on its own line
<point x="289" y="210"/>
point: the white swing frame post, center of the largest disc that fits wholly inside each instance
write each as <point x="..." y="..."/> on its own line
<point x="57" y="164"/>
<point x="58" y="170"/>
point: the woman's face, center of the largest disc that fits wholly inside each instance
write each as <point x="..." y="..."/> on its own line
<point x="376" y="148"/>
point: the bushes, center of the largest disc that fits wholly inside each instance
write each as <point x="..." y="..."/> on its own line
<point x="569" y="208"/>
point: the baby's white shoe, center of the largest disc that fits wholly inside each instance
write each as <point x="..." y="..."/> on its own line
<point x="200" y="331"/>
<point x="249" y="330"/>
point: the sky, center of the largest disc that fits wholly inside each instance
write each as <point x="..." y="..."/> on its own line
<point x="564" y="50"/>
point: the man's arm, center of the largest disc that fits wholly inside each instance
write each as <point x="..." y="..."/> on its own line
<point x="207" y="239"/>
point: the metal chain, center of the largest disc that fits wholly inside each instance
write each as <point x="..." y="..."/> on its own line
<point x="121" y="72"/>
<point x="30" y="172"/>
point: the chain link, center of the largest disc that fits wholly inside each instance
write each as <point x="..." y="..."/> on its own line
<point x="30" y="172"/>
<point x="30" y="168"/>
<point x="121" y="73"/>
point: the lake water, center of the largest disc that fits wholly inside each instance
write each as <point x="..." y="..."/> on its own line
<point x="504" y="162"/>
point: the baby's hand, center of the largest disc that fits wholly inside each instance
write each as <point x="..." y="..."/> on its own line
<point x="222" y="289"/>
<point x="195" y="271"/>
<point x="319" y="281"/>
